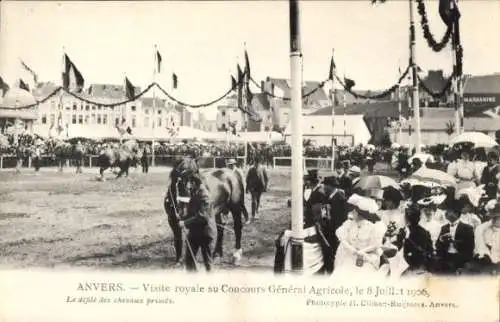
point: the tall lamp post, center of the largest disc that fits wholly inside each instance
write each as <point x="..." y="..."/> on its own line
<point x="297" y="240"/>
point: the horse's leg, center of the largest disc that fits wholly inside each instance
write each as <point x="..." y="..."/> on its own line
<point x="101" y="172"/>
<point x="238" y="227"/>
<point x="220" y="233"/>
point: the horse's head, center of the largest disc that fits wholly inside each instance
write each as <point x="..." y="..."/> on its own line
<point x="179" y="177"/>
<point x="178" y="186"/>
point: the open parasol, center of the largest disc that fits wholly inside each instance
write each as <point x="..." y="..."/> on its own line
<point x="478" y="139"/>
<point x="375" y="182"/>
<point x="431" y="175"/>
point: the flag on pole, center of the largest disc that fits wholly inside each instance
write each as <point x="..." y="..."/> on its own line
<point x="174" y="80"/>
<point x="349" y="83"/>
<point x="129" y="89"/>
<point x="72" y="78"/>
<point x="247" y="65"/>
<point x="29" y="70"/>
<point x="23" y="85"/>
<point x="240" y="87"/>
<point x="332" y="69"/>
<point x="4" y="86"/>
<point x="158" y="62"/>
<point x="234" y="84"/>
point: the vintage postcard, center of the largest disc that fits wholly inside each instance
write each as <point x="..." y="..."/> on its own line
<point x="250" y="160"/>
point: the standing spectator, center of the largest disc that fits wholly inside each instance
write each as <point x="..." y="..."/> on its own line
<point x="256" y="183"/>
<point x="145" y="159"/>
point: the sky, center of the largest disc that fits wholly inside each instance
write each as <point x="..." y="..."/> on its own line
<point x="203" y="41"/>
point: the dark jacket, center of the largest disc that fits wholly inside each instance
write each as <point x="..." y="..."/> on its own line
<point x="200" y="219"/>
<point x="464" y="242"/>
<point x="257" y="179"/>
<point x="417" y="248"/>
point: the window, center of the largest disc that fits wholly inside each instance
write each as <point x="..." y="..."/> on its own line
<point x="134" y="123"/>
<point x="92" y="118"/>
<point x="44" y="119"/>
<point x="52" y="118"/>
<point x="81" y="107"/>
<point x="74" y="106"/>
<point x="132" y="108"/>
<point x="146" y="122"/>
<point x="68" y="107"/>
<point x="80" y="119"/>
<point x="105" y="119"/>
<point x="223" y="113"/>
<point x="159" y="121"/>
<point x="146" y="111"/>
<point x="93" y="107"/>
<point x="117" y="120"/>
<point x="87" y="107"/>
<point x="73" y="119"/>
<point x="159" y="112"/>
<point x="86" y="119"/>
<point x="99" y="119"/>
<point x="99" y="107"/>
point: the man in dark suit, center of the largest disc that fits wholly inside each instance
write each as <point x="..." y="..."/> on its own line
<point x="455" y="244"/>
<point x="256" y="183"/>
<point x="416" y="242"/>
<point x="201" y="224"/>
<point x="489" y="175"/>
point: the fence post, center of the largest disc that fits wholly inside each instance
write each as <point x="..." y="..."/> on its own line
<point x="29" y="162"/>
<point x="215" y="163"/>
<point x="1" y="161"/>
<point x="90" y="161"/>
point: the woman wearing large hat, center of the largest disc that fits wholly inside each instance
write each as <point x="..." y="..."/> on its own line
<point x="360" y="239"/>
<point x="464" y="169"/>
<point x="487" y="243"/>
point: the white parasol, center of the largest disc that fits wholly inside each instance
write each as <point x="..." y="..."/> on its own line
<point x="480" y="140"/>
<point x="442" y="178"/>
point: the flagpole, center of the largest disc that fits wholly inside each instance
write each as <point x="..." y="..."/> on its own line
<point x="415" y="98"/>
<point x="332" y="103"/>
<point x="457" y="78"/>
<point x="61" y="93"/>
<point x="154" y="108"/>
<point x="245" y="116"/>
<point x="297" y="239"/>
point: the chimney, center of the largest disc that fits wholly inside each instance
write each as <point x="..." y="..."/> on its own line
<point x="262" y="86"/>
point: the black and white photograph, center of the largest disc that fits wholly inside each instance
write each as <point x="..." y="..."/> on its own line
<point x="281" y="138"/>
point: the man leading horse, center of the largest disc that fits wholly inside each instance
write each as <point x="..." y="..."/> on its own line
<point x="226" y="194"/>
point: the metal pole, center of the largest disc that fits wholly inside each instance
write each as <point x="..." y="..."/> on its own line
<point x="332" y="103"/>
<point x="297" y="240"/>
<point x="415" y="98"/>
<point x="154" y="108"/>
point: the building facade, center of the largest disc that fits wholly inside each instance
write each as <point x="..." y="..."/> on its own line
<point x="82" y="119"/>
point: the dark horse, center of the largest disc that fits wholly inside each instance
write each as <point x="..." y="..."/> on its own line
<point x="124" y="156"/>
<point x="227" y="193"/>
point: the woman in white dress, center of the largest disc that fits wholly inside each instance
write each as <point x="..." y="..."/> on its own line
<point x="360" y="240"/>
<point x="464" y="170"/>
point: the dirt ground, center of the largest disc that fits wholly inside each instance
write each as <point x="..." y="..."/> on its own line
<point x="59" y="220"/>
